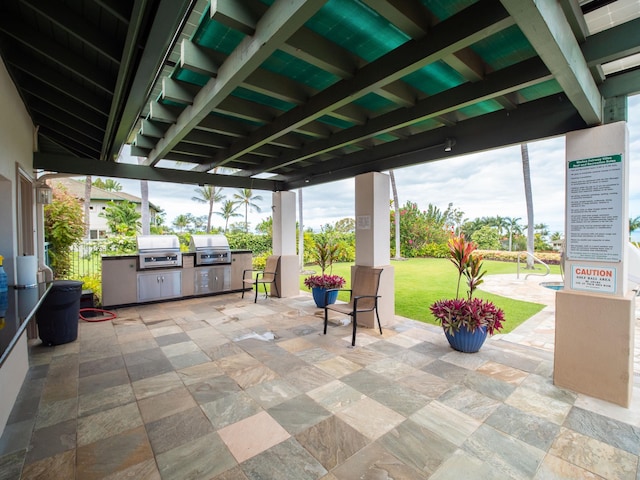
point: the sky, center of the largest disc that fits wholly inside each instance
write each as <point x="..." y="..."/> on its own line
<point x="485" y="184"/>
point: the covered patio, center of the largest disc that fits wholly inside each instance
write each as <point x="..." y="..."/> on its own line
<point x="275" y="96"/>
<point x="222" y="388"/>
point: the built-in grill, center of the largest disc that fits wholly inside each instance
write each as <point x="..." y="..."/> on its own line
<point x="156" y="251"/>
<point x="210" y="249"/>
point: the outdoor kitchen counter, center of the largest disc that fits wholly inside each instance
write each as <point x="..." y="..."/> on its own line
<point x="120" y="277"/>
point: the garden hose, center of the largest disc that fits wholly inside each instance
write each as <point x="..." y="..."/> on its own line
<point x="110" y="315"/>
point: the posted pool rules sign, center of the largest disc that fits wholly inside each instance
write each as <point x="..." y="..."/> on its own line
<point x="594" y="207"/>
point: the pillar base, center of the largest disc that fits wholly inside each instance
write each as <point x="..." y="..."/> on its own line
<point x="288" y="278"/>
<point x="594" y="345"/>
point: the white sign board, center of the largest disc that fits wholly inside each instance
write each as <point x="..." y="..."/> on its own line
<point x="363" y="222"/>
<point x="594" y="207"/>
<point x="593" y="279"/>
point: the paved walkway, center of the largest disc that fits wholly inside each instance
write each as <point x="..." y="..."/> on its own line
<point x="539" y="330"/>
<point x="222" y="388"/>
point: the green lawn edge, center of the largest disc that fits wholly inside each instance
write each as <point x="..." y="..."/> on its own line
<point x="421" y="281"/>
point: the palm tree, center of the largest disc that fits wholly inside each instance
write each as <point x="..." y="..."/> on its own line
<point x="208" y="194"/>
<point x="229" y="208"/>
<point x="110" y="185"/>
<point x="396" y="210"/>
<point x="300" y="232"/>
<point x="144" y="204"/>
<point x="634" y="224"/>
<point x="512" y="227"/>
<point x="181" y="222"/>
<point x="526" y="173"/>
<point x="122" y="217"/>
<point x="245" y="197"/>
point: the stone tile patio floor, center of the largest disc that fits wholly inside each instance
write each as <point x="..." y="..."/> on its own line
<point x="222" y="388"/>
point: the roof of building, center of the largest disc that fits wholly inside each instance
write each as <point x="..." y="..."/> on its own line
<point x="76" y="188"/>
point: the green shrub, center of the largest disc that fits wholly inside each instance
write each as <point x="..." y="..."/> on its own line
<point x="260" y="261"/>
<point x="550" y="258"/>
<point x="258" y="244"/>
<point x="434" y="250"/>
<point x="120" y="245"/>
<point x="63" y="227"/>
<point x="93" y="283"/>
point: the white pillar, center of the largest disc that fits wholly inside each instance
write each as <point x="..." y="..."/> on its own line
<point x="284" y="243"/>
<point x="594" y="335"/>
<point x="373" y="239"/>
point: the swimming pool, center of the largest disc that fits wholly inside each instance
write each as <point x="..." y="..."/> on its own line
<point x="553" y="285"/>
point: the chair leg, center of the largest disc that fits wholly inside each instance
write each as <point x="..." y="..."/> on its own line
<point x="355" y="326"/>
<point x="243" y="287"/>
<point x="255" y="300"/>
<point x="326" y="320"/>
<point x="264" y="287"/>
<point x="378" y="317"/>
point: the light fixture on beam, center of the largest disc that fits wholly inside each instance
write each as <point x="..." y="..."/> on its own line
<point x="449" y="143"/>
<point x="44" y="194"/>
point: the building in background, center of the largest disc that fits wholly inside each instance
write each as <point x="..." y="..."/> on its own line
<point x="100" y="198"/>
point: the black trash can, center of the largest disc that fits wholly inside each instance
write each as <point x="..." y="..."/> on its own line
<point x="59" y="313"/>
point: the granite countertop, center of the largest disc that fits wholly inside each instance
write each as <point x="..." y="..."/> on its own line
<point x="19" y="305"/>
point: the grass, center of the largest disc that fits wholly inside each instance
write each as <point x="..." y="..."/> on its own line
<point x="421" y="281"/>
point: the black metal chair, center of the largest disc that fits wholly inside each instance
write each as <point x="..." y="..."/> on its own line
<point x="363" y="298"/>
<point x="268" y="275"/>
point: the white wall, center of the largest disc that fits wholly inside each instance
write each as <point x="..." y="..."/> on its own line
<point x="16" y="149"/>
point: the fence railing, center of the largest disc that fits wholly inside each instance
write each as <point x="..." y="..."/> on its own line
<point x="86" y="259"/>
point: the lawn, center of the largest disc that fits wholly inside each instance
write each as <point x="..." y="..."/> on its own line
<point x="421" y="281"/>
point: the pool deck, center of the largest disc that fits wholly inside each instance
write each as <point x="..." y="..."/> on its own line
<point x="221" y="388"/>
<point x="539" y="330"/>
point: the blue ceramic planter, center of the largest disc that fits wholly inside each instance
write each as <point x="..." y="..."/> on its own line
<point x="318" y="296"/>
<point x="466" y="341"/>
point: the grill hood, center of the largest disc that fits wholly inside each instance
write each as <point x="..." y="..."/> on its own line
<point x="208" y="242"/>
<point x="157" y="243"/>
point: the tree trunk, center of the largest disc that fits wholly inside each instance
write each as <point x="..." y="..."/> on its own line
<point x="87" y="210"/>
<point x="145" y="217"/>
<point x="300" y="231"/>
<point x="524" y="150"/>
<point x="510" y="238"/>
<point x="211" y="202"/>
<point x="396" y="209"/>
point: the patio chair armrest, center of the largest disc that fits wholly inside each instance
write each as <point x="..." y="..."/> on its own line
<point x="244" y="272"/>
<point x="338" y="289"/>
<point x="326" y="293"/>
<point x="359" y="297"/>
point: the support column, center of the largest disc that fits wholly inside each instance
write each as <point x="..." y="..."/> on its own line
<point x="284" y="243"/>
<point x="373" y="227"/>
<point x="594" y="334"/>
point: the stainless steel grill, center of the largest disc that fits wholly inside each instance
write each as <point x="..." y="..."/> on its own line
<point x="210" y="249"/>
<point x="156" y="251"/>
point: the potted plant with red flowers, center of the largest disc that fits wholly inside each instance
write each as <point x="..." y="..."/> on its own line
<point x="319" y="284"/>
<point x="467" y="321"/>
<point x="325" y="254"/>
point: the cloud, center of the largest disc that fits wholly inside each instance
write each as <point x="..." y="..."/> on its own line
<point x="483" y="184"/>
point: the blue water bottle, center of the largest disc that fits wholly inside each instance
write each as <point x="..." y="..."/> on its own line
<point x="3" y="277"/>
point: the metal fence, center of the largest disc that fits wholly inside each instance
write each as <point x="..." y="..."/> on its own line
<point x="86" y="259"/>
